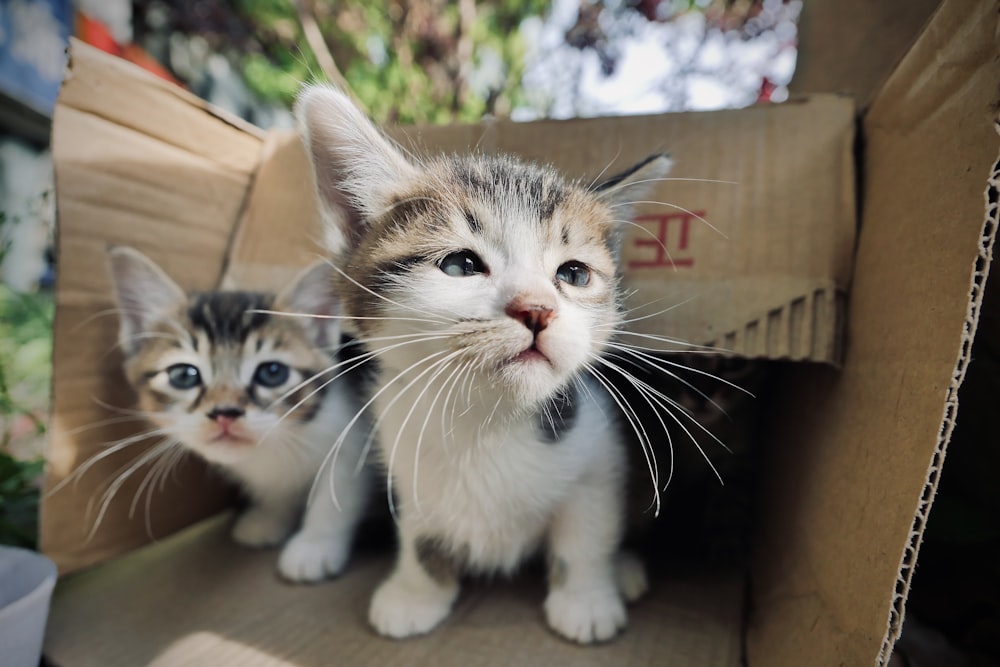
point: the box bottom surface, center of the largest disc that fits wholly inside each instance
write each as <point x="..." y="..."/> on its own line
<point x="198" y="599"/>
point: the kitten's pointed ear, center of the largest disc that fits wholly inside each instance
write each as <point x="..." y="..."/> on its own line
<point x="312" y="293"/>
<point x="355" y="166"/>
<point x="143" y="291"/>
<point x="636" y="182"/>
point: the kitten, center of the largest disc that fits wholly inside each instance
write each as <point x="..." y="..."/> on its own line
<point x="487" y="288"/>
<point x="239" y="387"/>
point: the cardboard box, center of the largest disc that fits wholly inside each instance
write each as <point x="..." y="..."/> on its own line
<point x="852" y="454"/>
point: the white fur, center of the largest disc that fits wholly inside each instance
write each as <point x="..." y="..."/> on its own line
<point x="504" y="493"/>
<point x="457" y="400"/>
<point x="275" y="457"/>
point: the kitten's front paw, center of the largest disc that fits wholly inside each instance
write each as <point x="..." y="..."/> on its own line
<point x="255" y="528"/>
<point x="311" y="558"/>
<point x="630" y="573"/>
<point x="585" y="616"/>
<point x="399" y="611"/>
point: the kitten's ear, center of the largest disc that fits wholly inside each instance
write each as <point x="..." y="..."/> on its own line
<point x="312" y="293"/>
<point x="636" y="182"/>
<point x="143" y="291"/>
<point x="355" y="166"/>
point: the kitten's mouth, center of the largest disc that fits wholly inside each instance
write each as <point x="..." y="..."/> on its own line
<point x="230" y="438"/>
<point x="531" y="354"/>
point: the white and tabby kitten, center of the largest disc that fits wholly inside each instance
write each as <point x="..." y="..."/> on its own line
<point x="239" y="387"/>
<point x="486" y="288"/>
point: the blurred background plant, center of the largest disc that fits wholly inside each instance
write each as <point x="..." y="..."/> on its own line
<point x="432" y="61"/>
<point x="25" y="373"/>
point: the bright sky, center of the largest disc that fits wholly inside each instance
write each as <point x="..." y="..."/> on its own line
<point x="666" y="66"/>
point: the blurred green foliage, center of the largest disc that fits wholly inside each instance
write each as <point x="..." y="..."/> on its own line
<point x="25" y="374"/>
<point x="406" y="61"/>
<point x="19" y="500"/>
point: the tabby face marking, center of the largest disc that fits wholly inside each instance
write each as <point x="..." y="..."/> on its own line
<point x="213" y="372"/>
<point x="527" y="248"/>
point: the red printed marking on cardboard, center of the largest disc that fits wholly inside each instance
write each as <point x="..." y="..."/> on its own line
<point x="667" y="241"/>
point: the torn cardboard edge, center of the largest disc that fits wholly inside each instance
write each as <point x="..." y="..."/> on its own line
<point x="106" y="71"/>
<point x="980" y="272"/>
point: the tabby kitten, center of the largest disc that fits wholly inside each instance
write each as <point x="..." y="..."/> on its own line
<point x="487" y="289"/>
<point x="239" y="387"/>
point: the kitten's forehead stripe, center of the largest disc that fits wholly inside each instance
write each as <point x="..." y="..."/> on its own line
<point x="224" y="316"/>
<point x="502" y="178"/>
<point x="474" y="224"/>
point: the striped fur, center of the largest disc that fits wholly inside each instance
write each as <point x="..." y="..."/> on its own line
<point x="262" y="408"/>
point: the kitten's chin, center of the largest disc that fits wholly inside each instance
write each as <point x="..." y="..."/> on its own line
<point x="225" y="448"/>
<point x="530" y="377"/>
<point x="226" y="452"/>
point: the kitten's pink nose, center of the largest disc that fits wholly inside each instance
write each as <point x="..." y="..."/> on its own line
<point x="225" y="416"/>
<point x="535" y="316"/>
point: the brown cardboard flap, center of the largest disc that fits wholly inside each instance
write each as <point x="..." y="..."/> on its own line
<point x="746" y="246"/>
<point x="856" y="457"/>
<point x="851" y="46"/>
<point x="139" y="162"/>
<point x="200" y="600"/>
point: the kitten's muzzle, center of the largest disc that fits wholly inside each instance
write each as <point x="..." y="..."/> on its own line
<point x="225" y="415"/>
<point x="534" y="316"/>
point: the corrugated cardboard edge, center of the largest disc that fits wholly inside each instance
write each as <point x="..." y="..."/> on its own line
<point x="810" y="327"/>
<point x="980" y="272"/>
<point x="849" y="456"/>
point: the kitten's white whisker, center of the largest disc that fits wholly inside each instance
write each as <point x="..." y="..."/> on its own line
<point x="388" y="407"/>
<point x="350" y="424"/>
<point x="112" y="447"/>
<point x="660" y="360"/>
<point x="672" y="402"/>
<point x="104" y="422"/>
<point x="679" y="208"/>
<point x="659" y="241"/>
<point x="635" y="421"/>
<point x="664" y="179"/>
<point x="174" y="457"/>
<point x="449" y="384"/>
<point x="93" y="316"/>
<point x="686" y="347"/>
<point x="282" y="313"/>
<point x="119" y="480"/>
<point x="670" y="446"/>
<point x="162" y="448"/>
<point x="651" y="361"/>
<point x="444" y="365"/>
<point x="607" y="166"/>
<point x="126" y="411"/>
<point x="637" y="428"/>
<point x="657" y="313"/>
<point x="356" y="361"/>
<point x="658" y="396"/>
<point x="383" y="297"/>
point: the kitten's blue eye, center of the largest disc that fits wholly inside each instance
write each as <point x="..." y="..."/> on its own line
<point x="183" y="376"/>
<point x="574" y="273"/>
<point x="462" y="264"/>
<point x="271" y="374"/>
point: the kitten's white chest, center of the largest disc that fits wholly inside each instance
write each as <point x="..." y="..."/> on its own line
<point x="488" y="490"/>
